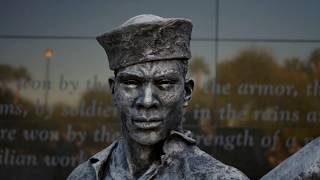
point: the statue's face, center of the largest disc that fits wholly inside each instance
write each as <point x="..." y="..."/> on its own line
<point x="150" y="98"/>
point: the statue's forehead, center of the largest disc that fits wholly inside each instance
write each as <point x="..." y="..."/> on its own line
<point x="154" y="68"/>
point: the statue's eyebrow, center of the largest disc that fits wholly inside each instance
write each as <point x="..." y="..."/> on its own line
<point x="168" y="75"/>
<point x="123" y="75"/>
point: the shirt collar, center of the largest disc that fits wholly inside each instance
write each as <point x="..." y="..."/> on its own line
<point x="98" y="160"/>
<point x="175" y="142"/>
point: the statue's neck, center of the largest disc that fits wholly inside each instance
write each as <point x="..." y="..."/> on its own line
<point x="140" y="157"/>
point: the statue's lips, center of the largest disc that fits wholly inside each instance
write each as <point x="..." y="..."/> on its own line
<point x="147" y="123"/>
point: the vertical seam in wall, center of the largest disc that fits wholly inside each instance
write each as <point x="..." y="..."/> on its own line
<point x="216" y="55"/>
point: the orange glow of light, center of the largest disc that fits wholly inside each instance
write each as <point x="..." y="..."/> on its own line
<point x="48" y="54"/>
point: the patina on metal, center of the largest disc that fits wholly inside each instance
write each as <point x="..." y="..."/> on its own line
<point x="303" y="165"/>
<point x="150" y="90"/>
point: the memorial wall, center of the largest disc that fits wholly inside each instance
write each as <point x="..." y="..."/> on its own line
<point x="256" y="67"/>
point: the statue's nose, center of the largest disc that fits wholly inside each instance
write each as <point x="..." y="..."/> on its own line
<point x="147" y="98"/>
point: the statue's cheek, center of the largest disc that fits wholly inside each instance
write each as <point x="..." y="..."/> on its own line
<point x="173" y="96"/>
<point x="125" y="96"/>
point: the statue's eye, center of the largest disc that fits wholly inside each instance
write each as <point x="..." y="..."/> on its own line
<point x="165" y="84"/>
<point x="131" y="83"/>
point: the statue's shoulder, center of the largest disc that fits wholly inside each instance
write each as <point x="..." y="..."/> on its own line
<point x="84" y="171"/>
<point x="183" y="156"/>
<point x="203" y="165"/>
<point x="88" y="169"/>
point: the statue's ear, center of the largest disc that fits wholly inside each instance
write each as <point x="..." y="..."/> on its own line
<point x="111" y="84"/>
<point x="188" y="87"/>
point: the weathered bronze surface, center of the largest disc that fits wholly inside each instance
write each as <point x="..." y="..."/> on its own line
<point x="303" y="165"/>
<point x="149" y="55"/>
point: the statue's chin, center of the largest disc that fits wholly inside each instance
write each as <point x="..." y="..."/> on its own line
<point x="147" y="138"/>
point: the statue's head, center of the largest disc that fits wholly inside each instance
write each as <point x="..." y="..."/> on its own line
<point x="149" y="56"/>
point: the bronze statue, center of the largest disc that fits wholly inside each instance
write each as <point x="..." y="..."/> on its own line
<point x="149" y="57"/>
<point x="302" y="165"/>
